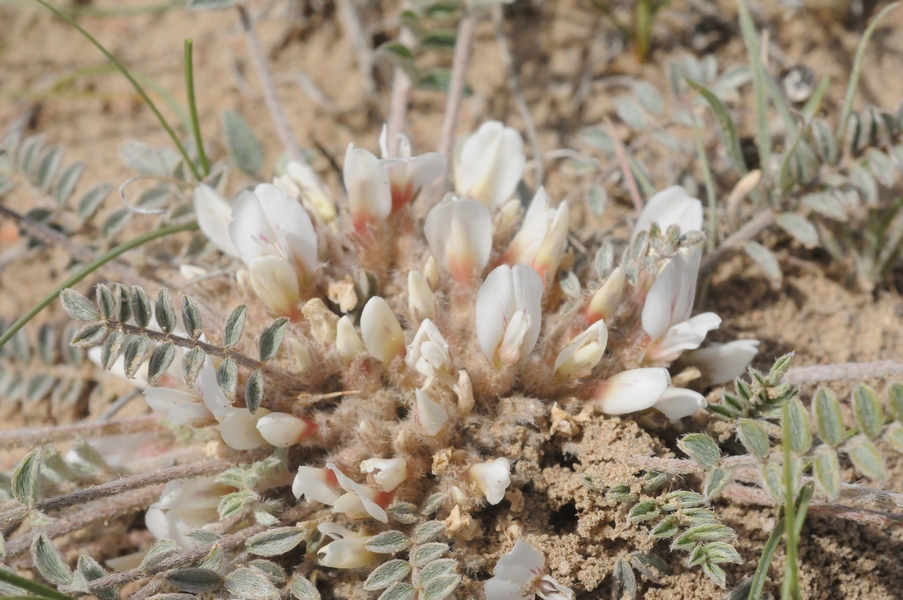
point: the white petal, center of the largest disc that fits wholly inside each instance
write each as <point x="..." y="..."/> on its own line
<point x="723" y="362"/>
<point x="192" y="414"/>
<point x="549" y="589"/>
<point x="294" y="231"/>
<point x="191" y="494"/>
<point x="492" y="478"/>
<point x="369" y="191"/>
<point x="684" y="336"/>
<point x="633" y="390"/>
<point x="523" y="247"/>
<point x="350" y="485"/>
<point x="420" y="297"/>
<point x="522" y="565"/>
<point x="607" y="297"/>
<point x="494" y="305"/>
<point x="491" y="164"/>
<point x="276" y="284"/>
<point x="431" y="414"/>
<point x="164" y="399"/>
<point x="347" y="342"/>
<point x="671" y="206"/>
<point x="161" y="524"/>
<point x="677" y="403"/>
<point x="213" y="397"/>
<point x="214" y="215"/>
<point x="670" y="299"/>
<point x="281" y="429"/>
<point x="501" y="589"/>
<point x="250" y="230"/>
<point x="459" y="234"/>
<point x="312" y="484"/>
<point x="428" y="353"/>
<point x="239" y="429"/>
<point x="584" y="352"/>
<point x="426" y="168"/>
<point x="380" y="330"/>
<point x="390" y="472"/>
<point x="528" y="295"/>
<point x="346" y="554"/>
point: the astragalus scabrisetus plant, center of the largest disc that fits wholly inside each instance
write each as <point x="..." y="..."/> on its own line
<point x="417" y="323"/>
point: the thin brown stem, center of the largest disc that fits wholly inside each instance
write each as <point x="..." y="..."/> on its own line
<point x="351" y="22"/>
<point x="49" y="435"/>
<point x="621" y="155"/>
<point x="519" y="100"/>
<point x="261" y="65"/>
<point x="736" y="241"/>
<point x="460" y="62"/>
<point x="401" y="91"/>
<point x="286" y="379"/>
<point x="845" y="371"/>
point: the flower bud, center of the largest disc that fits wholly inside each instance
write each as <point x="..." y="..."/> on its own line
<point x="459" y="234"/>
<point x="239" y="428"/>
<point x="390" y="472"/>
<point x="632" y="391"/>
<point x="584" y="352"/>
<point x="431" y="414"/>
<point x="316" y="485"/>
<point x="607" y="297"/>
<point x="283" y="430"/>
<point x="302" y="182"/>
<point x="301" y="354"/>
<point x="492" y="478"/>
<point x="420" y="296"/>
<point x="347" y="342"/>
<point x="428" y="354"/>
<point x="431" y="273"/>
<point x="348" y="551"/>
<point x="381" y="331"/>
<point x="464" y="390"/>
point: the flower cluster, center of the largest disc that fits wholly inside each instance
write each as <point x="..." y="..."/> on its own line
<point x="432" y="312"/>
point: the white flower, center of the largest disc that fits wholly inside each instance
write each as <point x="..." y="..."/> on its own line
<point x="348" y="551"/>
<point x="428" y="354"/>
<point x="184" y="505"/>
<point x="407" y="175"/>
<point x="390" y="472"/>
<point x="671" y="206"/>
<point x="381" y="331"/>
<point x="584" y="352"/>
<point x="364" y="494"/>
<point x="214" y="215"/>
<point x="669" y="303"/>
<point x="369" y="190"/>
<point x="282" y="429"/>
<point x="459" y="234"/>
<point x="607" y="297"/>
<point x="276" y="240"/>
<point x="542" y="238"/>
<point x="182" y="408"/>
<point x="632" y="391"/>
<point x="238" y="428"/>
<point x="302" y="182"/>
<point x="518" y="576"/>
<point x="677" y="403"/>
<point x="316" y="485"/>
<point x="431" y="414"/>
<point x="508" y="315"/>
<point x="490" y="164"/>
<point x="723" y="362"/>
<point x="492" y="478"/>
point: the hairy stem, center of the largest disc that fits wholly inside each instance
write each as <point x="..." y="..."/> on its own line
<point x="844" y="371"/>
<point x="460" y="62"/>
<point x="621" y="155"/>
<point x="49" y="435"/>
<point x="261" y="65"/>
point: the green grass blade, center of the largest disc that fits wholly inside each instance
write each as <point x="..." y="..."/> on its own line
<point x="751" y="40"/>
<point x="140" y="90"/>
<point x="728" y="129"/>
<point x="90" y="268"/>
<point x="854" y="76"/>
<point x="34" y="587"/>
<point x="758" y="582"/>
<point x="193" y="107"/>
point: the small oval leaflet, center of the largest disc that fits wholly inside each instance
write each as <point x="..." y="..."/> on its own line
<point x="105" y="301"/>
<point x="828" y="418"/>
<point x="867" y="410"/>
<point x="194" y="580"/>
<point x="250" y="583"/>
<point x="302" y="589"/>
<point x="141" y="306"/>
<point x="164" y="311"/>
<point x="826" y="469"/>
<point x="160" y="551"/>
<point x="49" y="561"/>
<point x="798" y="427"/>
<point x="427" y="553"/>
<point x="191" y="317"/>
<point x="701" y="448"/>
<point x="254" y="391"/>
<point x="191" y="365"/>
<point x="429" y="531"/>
<point x="25" y="478"/>
<point x="227" y="377"/>
<point x="623" y="580"/>
<point x="271" y="339"/>
<point x="387" y="574"/>
<point x="234" y="326"/>
<point x="867" y="459"/>
<point x="77" y="306"/>
<point x="135" y="353"/>
<point x="388" y="542"/>
<point x="89" y="335"/>
<point x="399" y="591"/>
<point x="753" y="438"/>
<point x="716" y="480"/>
<point x="275" y="542"/>
<point x="160" y="359"/>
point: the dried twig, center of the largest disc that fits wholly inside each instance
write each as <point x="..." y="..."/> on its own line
<point x="844" y="371"/>
<point x="514" y="83"/>
<point x="269" y="88"/>
<point x="460" y="62"/>
<point x="49" y="435"/>
<point x="736" y="241"/>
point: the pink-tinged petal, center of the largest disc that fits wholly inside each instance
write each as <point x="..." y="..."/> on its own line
<point x="723" y="362"/>
<point x="683" y="336"/>
<point x="606" y="299"/>
<point x="239" y="429"/>
<point x="677" y="403"/>
<point x="459" y="234"/>
<point x="214" y="215"/>
<point x="369" y="190"/>
<point x="671" y="206"/>
<point x="548" y="255"/>
<point x="491" y="164"/>
<point x="294" y="231"/>
<point x="522" y="565"/>
<point x="276" y="284"/>
<point x="670" y="299"/>
<point x="523" y="247"/>
<point x="494" y="306"/>
<point x="250" y="229"/>
<point x="381" y="332"/>
<point x="632" y="391"/>
<point x="316" y="485"/>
